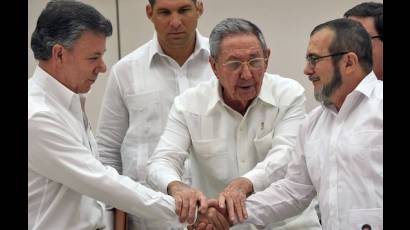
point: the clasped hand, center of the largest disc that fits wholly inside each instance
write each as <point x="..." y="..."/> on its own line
<point x="186" y="200"/>
<point x="229" y="209"/>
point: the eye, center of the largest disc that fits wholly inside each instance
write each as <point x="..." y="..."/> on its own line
<point x="94" y="58"/>
<point x="184" y="10"/>
<point x="233" y="65"/>
<point x="312" y="59"/>
<point x="256" y="62"/>
<point x="164" y="12"/>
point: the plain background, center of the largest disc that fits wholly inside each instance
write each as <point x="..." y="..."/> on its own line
<point x="286" y="25"/>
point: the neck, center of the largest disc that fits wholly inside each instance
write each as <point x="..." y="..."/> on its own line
<point x="237" y="105"/>
<point x="52" y="69"/>
<point x="179" y="54"/>
<point x="48" y="67"/>
<point x="349" y="84"/>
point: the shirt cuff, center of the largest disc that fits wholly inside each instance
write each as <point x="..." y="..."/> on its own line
<point x="165" y="182"/>
<point x="258" y="178"/>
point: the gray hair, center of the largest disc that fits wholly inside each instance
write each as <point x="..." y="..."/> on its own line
<point x="63" y="22"/>
<point x="231" y="26"/>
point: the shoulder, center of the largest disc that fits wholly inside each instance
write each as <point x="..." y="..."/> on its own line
<point x="378" y="90"/>
<point x="282" y="91"/>
<point x="37" y="100"/>
<point x="138" y="56"/>
<point x="311" y="120"/>
<point x="282" y="84"/>
<point x="196" y="99"/>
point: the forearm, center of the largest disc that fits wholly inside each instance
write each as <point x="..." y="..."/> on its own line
<point x="277" y="203"/>
<point x="167" y="162"/>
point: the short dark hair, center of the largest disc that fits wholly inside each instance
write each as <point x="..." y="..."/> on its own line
<point x="152" y="2"/>
<point x="349" y="36"/>
<point x="63" y="22"/>
<point x="369" y="9"/>
<point x="232" y="26"/>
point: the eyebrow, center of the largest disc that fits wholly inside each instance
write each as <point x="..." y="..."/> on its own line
<point x="253" y="54"/>
<point x="167" y="9"/>
<point x="98" y="53"/>
<point x="312" y="54"/>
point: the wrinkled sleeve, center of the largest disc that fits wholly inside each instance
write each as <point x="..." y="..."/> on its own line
<point x="112" y="125"/>
<point x="167" y="162"/>
<point x="274" y="166"/>
<point x="58" y="154"/>
<point x="284" y="198"/>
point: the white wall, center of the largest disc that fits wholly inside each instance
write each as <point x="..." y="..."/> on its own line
<point x="286" y="25"/>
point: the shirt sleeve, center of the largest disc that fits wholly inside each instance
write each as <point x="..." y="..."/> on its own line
<point x="112" y="125"/>
<point x="56" y="152"/>
<point x="285" y="198"/>
<point x="167" y="162"/>
<point x="274" y="166"/>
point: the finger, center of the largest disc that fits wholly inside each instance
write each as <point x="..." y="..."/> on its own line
<point x="213" y="203"/>
<point x="213" y="217"/>
<point x="223" y="222"/>
<point x="245" y="213"/>
<point x="209" y="227"/>
<point x="238" y="209"/>
<point x="201" y="226"/>
<point x="203" y="204"/>
<point x="231" y="210"/>
<point x="184" y="209"/>
<point x="178" y="205"/>
<point x="221" y="200"/>
<point x="191" y="209"/>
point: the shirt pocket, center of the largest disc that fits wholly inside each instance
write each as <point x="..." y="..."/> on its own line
<point x="263" y="145"/>
<point x="212" y="156"/>
<point x="366" y="149"/>
<point x="359" y="217"/>
<point x="145" y="116"/>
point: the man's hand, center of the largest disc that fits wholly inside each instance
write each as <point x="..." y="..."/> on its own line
<point x="213" y="219"/>
<point x="233" y="199"/>
<point x="186" y="199"/>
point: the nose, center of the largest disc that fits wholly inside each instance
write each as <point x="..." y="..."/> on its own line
<point x="246" y="72"/>
<point x="101" y="67"/>
<point x="308" y="70"/>
<point x="175" y="21"/>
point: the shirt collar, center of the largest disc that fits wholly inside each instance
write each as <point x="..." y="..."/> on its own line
<point x="56" y="90"/>
<point x="365" y="87"/>
<point x="367" y="84"/>
<point x="266" y="94"/>
<point x="201" y="46"/>
<point x="216" y="94"/>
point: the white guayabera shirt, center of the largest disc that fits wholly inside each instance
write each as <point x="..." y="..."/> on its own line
<point x="66" y="181"/>
<point x="223" y="145"/>
<point x="139" y="94"/>
<point x="339" y="157"/>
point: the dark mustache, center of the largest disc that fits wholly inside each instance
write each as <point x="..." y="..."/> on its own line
<point x="314" y="78"/>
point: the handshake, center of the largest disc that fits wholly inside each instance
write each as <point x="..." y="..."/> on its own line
<point x="220" y="213"/>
